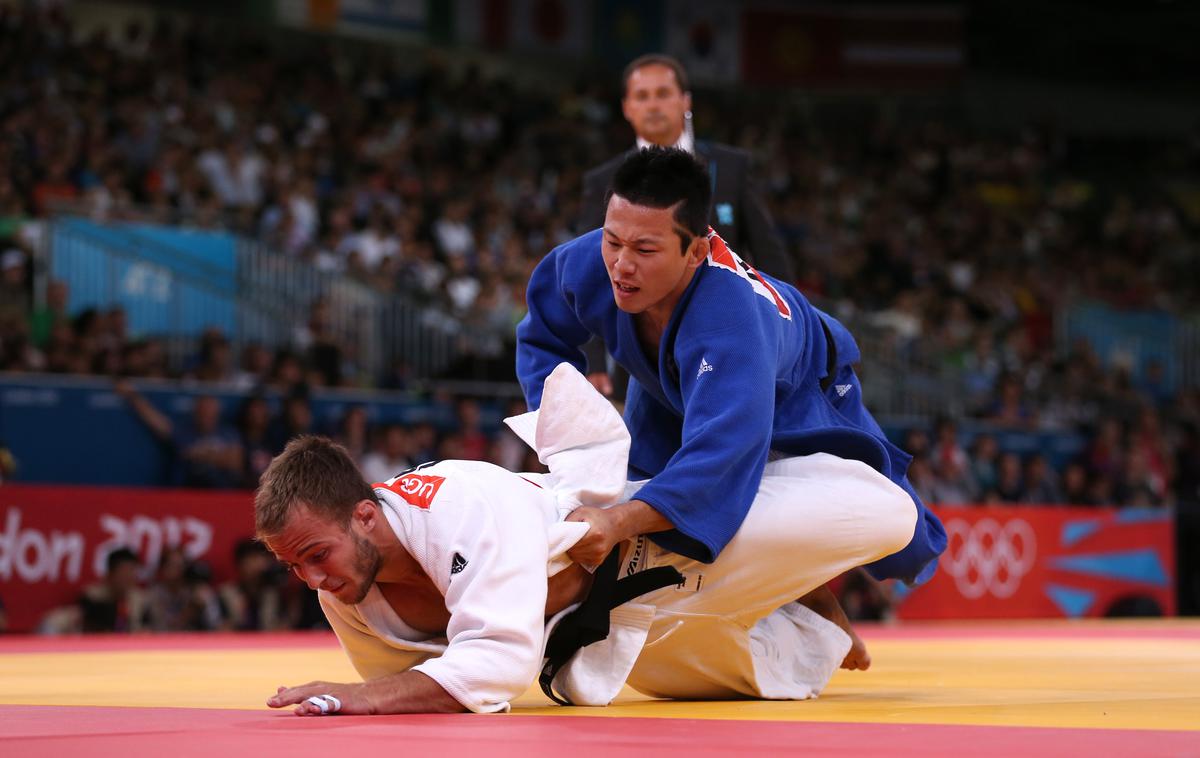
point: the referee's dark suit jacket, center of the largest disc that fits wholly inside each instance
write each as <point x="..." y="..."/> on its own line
<point x="738" y="212"/>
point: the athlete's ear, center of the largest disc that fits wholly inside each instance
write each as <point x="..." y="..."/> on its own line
<point x="365" y="514"/>
<point x="697" y="251"/>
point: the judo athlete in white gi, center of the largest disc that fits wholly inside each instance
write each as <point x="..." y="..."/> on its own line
<point x="445" y="583"/>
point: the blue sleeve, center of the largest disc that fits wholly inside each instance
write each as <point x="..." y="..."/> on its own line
<point x="551" y="332"/>
<point x="727" y="381"/>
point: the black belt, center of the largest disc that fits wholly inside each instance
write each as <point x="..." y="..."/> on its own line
<point x="590" y="621"/>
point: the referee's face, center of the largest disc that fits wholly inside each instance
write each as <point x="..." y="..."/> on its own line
<point x="654" y="104"/>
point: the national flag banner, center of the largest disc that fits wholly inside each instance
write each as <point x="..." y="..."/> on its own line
<point x="382" y="18"/>
<point x="705" y="35"/>
<point x="559" y="27"/>
<point x="307" y="14"/>
<point x="485" y="24"/>
<point x="626" y="29"/>
<point x="563" y="27"/>
<point x="830" y="46"/>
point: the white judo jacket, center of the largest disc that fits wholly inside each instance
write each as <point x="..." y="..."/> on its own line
<point x="489" y="539"/>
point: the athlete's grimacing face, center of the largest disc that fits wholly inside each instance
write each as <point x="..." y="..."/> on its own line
<point x="326" y="556"/>
<point x="643" y="254"/>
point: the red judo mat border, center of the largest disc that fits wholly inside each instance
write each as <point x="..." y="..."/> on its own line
<point x="53" y="731"/>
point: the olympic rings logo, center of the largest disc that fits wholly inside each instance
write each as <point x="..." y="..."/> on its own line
<point x="986" y="557"/>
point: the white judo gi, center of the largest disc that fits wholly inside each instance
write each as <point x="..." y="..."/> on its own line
<point x="489" y="539"/>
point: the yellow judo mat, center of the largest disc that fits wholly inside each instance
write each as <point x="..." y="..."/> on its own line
<point x="1085" y="675"/>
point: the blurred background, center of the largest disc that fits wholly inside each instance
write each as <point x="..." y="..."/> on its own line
<point x="224" y="223"/>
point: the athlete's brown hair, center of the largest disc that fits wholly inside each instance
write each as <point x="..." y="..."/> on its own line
<point x="313" y="471"/>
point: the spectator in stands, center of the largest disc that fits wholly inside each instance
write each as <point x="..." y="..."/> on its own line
<point x="1187" y="464"/>
<point x="8" y="463"/>
<point x="254" y="368"/>
<point x="1010" y="407"/>
<point x="353" y="432"/>
<point x="424" y="445"/>
<point x="205" y="453"/>
<point x="1010" y="484"/>
<point x="1141" y="486"/>
<point x="473" y="442"/>
<point x="117" y="603"/>
<point x="507" y="450"/>
<point x="391" y="455"/>
<point x="916" y="442"/>
<point x="1148" y="437"/>
<point x="1106" y="453"/>
<point x="920" y="474"/>
<point x="318" y="343"/>
<point x="214" y="362"/>
<point x="1075" y="485"/>
<point x="254" y="428"/>
<point x="53" y="313"/>
<point x="951" y="484"/>
<point x="1041" y="483"/>
<point x="54" y="186"/>
<point x="985" y="459"/>
<point x="1155" y="384"/>
<point x="296" y="419"/>
<point x="287" y="373"/>
<point x="951" y="466"/>
<point x="981" y="368"/>
<point x="253" y="601"/>
<point x="181" y="598"/>
<point x="14" y="289"/>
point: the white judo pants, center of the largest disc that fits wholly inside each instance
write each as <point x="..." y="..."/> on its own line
<point x="733" y="628"/>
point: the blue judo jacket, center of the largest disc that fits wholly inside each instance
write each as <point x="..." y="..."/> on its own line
<point x="739" y="374"/>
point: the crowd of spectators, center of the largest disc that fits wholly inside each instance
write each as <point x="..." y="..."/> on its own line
<point x="446" y="186"/>
<point x="1141" y="465"/>
<point x="228" y="445"/>
<point x="179" y="595"/>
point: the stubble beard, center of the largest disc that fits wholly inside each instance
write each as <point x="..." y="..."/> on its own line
<point x="367" y="563"/>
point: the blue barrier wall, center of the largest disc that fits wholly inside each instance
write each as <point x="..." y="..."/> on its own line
<point x="78" y="431"/>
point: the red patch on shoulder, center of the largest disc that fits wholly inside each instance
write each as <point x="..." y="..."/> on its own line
<point x="719" y="252"/>
<point x="416" y="489"/>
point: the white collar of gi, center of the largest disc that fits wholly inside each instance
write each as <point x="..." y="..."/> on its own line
<point x="685" y="143"/>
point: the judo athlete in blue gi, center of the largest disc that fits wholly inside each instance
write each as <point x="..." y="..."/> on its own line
<point x="730" y="368"/>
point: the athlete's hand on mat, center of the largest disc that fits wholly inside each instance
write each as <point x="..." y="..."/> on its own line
<point x="604" y="531"/>
<point x="352" y="697"/>
<point x="601" y="381"/>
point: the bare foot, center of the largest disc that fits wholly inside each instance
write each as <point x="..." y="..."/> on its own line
<point x="823" y="602"/>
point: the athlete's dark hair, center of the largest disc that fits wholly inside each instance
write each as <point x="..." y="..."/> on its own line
<point x="662" y="177"/>
<point x="312" y="471"/>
